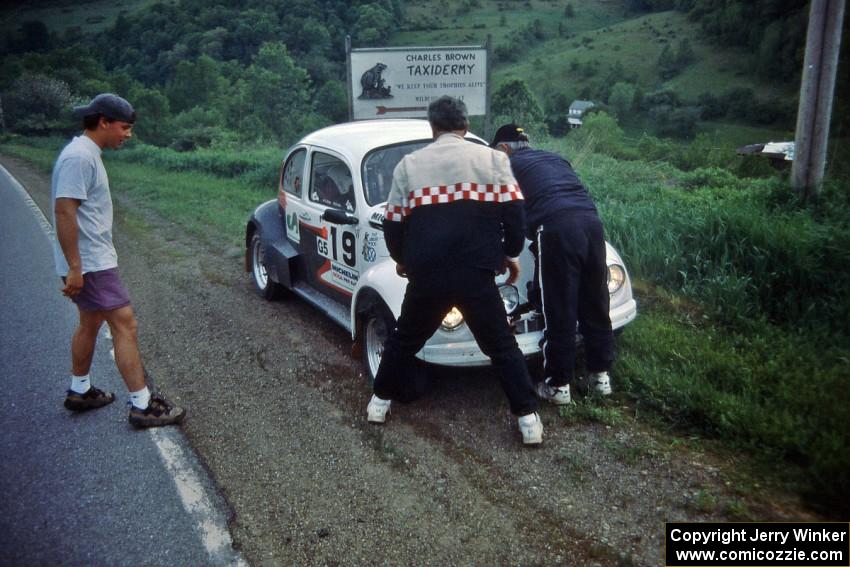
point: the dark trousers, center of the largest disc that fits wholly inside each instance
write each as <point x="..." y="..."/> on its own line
<point x="572" y="273"/>
<point x="475" y="294"/>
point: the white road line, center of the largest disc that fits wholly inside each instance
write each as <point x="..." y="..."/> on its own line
<point x="210" y="526"/>
<point x="42" y="220"/>
<point x="213" y="531"/>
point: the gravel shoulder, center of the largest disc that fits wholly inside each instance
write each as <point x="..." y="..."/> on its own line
<point x="277" y="413"/>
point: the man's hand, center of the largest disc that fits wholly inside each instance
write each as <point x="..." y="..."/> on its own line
<point x="513" y="269"/>
<point x="73" y="282"/>
<point x="399" y="269"/>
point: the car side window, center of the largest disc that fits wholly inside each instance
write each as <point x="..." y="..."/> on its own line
<point x="331" y="183"/>
<point x="378" y="169"/>
<point x="293" y="171"/>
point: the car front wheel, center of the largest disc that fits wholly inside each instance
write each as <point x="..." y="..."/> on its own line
<point x="264" y="285"/>
<point x="377" y="326"/>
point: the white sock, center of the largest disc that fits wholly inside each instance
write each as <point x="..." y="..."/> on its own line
<point x="141" y="399"/>
<point x="80" y="384"/>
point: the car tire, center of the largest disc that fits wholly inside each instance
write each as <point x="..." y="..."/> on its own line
<point x="377" y="326"/>
<point x="264" y="285"/>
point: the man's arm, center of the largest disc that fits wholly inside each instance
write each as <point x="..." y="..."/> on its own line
<point x="513" y="225"/>
<point x="67" y="233"/>
<point x="394" y="219"/>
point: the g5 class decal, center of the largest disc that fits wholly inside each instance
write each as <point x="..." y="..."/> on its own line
<point x="293" y="230"/>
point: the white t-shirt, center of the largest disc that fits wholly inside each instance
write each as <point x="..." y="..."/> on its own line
<point x="79" y="174"/>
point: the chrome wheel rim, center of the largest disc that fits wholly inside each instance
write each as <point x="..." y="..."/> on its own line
<point x="376" y="336"/>
<point x="261" y="276"/>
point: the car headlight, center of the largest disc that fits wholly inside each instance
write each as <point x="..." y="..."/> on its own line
<point x="510" y="297"/>
<point x="452" y="320"/>
<point x="616" y="278"/>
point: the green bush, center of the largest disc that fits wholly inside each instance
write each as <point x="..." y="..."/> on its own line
<point x="257" y="167"/>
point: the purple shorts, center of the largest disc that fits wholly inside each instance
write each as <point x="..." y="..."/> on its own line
<point x="102" y="291"/>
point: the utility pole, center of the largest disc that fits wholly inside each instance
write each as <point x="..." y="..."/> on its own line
<point x="823" y="40"/>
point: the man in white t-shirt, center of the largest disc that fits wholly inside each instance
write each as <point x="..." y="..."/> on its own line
<point x="88" y="264"/>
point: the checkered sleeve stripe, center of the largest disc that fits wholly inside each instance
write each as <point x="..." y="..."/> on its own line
<point x="488" y="193"/>
<point x="396" y="213"/>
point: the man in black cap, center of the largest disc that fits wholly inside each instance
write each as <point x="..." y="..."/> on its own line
<point x="88" y="264"/>
<point x="454" y="219"/>
<point x="572" y="271"/>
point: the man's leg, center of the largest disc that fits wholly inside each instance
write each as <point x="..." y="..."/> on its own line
<point x="594" y="303"/>
<point x="484" y="312"/>
<point x="122" y="322"/>
<point x="82" y="395"/>
<point x="147" y="410"/>
<point x="420" y="317"/>
<point x="559" y="280"/>
<point x="84" y="341"/>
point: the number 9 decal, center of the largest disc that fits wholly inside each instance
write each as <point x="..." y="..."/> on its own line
<point x="349" y="246"/>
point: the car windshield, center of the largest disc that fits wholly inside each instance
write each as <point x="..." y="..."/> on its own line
<point x="378" y="169"/>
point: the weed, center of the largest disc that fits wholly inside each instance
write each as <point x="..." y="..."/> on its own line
<point x="585" y="411"/>
<point x="703" y="502"/>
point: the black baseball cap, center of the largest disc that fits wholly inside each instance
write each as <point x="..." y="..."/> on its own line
<point x="509" y="133"/>
<point x="109" y="105"/>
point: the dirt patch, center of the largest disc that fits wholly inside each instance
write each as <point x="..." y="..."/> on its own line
<point x="277" y="412"/>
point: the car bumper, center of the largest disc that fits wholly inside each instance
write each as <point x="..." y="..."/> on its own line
<point x="467" y="353"/>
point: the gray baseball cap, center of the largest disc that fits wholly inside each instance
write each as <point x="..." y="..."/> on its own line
<point x="110" y="105"/>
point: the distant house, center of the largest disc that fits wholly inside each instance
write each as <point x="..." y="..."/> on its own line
<point x="578" y="109"/>
<point x="780" y="154"/>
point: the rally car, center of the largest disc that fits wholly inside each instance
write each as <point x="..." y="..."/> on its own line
<point x="322" y="240"/>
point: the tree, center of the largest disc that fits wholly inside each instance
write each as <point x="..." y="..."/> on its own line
<point x="313" y="37"/>
<point x="195" y="83"/>
<point x="621" y="99"/>
<point x="373" y="24"/>
<point x="557" y="108"/>
<point x="678" y="122"/>
<point x="711" y="107"/>
<point x="275" y="93"/>
<point x="668" y="67"/>
<point x="331" y="101"/>
<point x="515" y="100"/>
<point x="153" y="109"/>
<point x="600" y="132"/>
<point x="569" y="11"/>
<point x="685" y="54"/>
<point x="34" y="37"/>
<point x="36" y="103"/>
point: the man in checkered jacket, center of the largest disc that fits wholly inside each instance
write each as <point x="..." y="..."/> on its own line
<point x="454" y="220"/>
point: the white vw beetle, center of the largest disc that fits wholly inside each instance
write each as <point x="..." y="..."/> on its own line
<point x="322" y="239"/>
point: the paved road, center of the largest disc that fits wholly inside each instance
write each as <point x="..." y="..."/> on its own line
<point x="83" y="489"/>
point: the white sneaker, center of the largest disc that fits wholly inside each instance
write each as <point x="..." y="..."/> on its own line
<point x="531" y="428"/>
<point x="377" y="409"/>
<point x="558" y="395"/>
<point x="601" y="382"/>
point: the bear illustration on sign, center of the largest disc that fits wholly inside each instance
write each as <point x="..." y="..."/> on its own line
<point x="373" y="84"/>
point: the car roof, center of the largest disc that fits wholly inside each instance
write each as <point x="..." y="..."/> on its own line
<point x="355" y="139"/>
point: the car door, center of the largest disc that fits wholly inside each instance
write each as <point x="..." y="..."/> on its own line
<point x="328" y="227"/>
<point x="290" y="194"/>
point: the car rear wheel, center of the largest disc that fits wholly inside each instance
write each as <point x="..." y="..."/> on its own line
<point x="377" y="326"/>
<point x="264" y="285"/>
